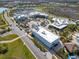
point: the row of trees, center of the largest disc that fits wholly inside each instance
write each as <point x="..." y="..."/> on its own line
<point x="66" y="35"/>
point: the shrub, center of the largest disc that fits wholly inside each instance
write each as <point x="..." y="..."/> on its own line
<point x="3" y="49"/>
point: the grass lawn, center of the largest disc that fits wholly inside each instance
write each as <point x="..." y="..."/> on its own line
<point x="1" y="20"/>
<point x="17" y="50"/>
<point x="8" y="37"/>
<point x="3" y="23"/>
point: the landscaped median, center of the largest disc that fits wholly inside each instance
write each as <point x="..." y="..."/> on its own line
<point x="15" y="50"/>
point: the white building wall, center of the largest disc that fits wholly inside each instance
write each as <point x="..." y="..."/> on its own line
<point x="46" y="43"/>
<point x="42" y="40"/>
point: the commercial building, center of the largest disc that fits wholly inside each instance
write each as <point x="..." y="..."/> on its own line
<point x="60" y="23"/>
<point x="38" y="15"/>
<point x="50" y="40"/>
<point x="20" y="17"/>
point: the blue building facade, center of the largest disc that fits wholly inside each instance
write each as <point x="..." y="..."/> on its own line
<point x="54" y="44"/>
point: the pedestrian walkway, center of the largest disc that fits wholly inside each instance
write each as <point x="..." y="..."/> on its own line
<point x="9" y="41"/>
<point x="7" y="33"/>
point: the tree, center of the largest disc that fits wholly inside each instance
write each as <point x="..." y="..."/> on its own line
<point x="78" y="28"/>
<point x="63" y="39"/>
<point x="65" y="32"/>
<point x="77" y="23"/>
<point x="3" y="49"/>
<point x="65" y="35"/>
<point x="72" y="27"/>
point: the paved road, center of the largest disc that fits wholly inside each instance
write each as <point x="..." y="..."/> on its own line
<point x="25" y="39"/>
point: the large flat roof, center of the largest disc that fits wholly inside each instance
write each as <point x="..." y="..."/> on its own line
<point x="48" y="36"/>
<point x="59" y="27"/>
<point x="37" y="13"/>
<point x="60" y="23"/>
